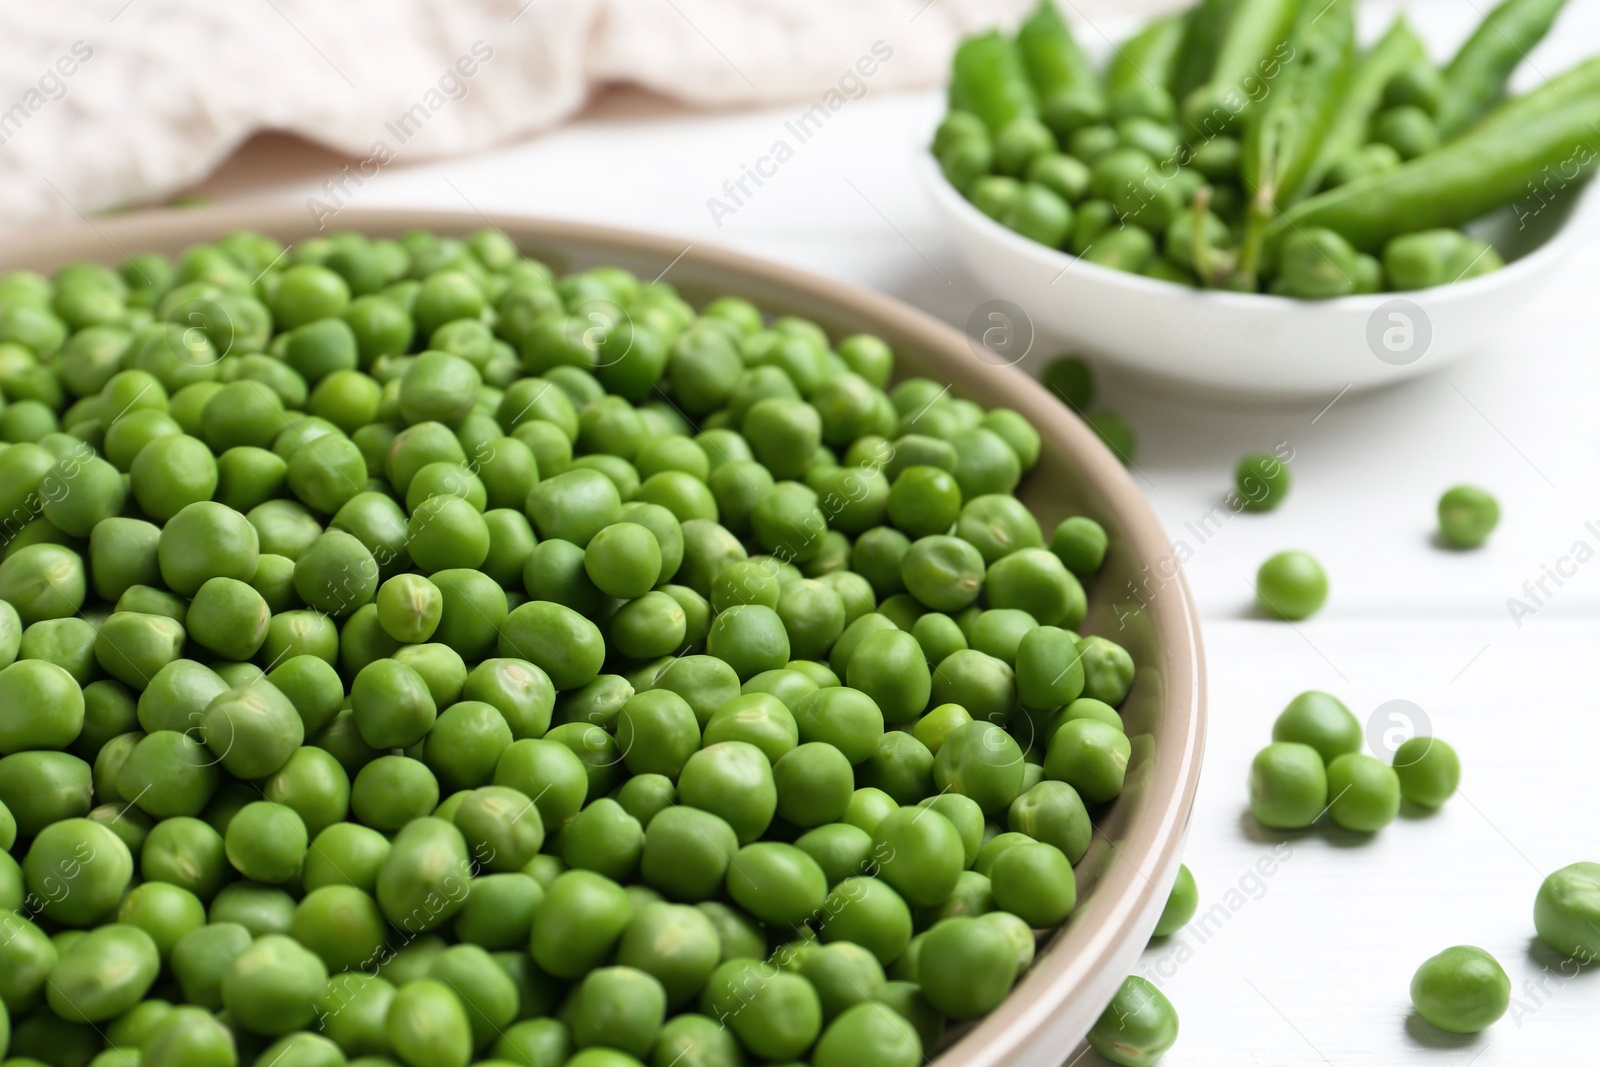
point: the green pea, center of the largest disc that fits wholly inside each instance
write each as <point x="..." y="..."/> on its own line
<point x="1107" y="670"/>
<point x="1462" y="990"/>
<point x="488" y="993"/>
<point x="499" y="912"/>
<point x="203" y="956"/>
<point x="1053" y="812"/>
<point x="393" y="706"/>
<point x="1291" y="586"/>
<point x="344" y="854"/>
<point x="1090" y="756"/>
<point x="558" y="640"/>
<point x="901" y="767"/>
<point x="686" y="852"/>
<point x="43" y="581"/>
<point x="1365" y="792"/>
<point x="391" y="791"/>
<point x="1182" y="902"/>
<point x="252" y="730"/>
<point x="425" y="877"/>
<point x="266" y="842"/>
<point x="187" y="853"/>
<point x="273" y="986"/>
<point x="103" y="974"/>
<point x="582" y="919"/>
<point x="981" y="761"/>
<point x="1288" y="785"/>
<point x="775" y="1015"/>
<point x="165" y="912"/>
<point x="168" y="773"/>
<point x="944" y="573"/>
<point x="43" y="706"/>
<point x="190" y="1037"/>
<point x="206" y="540"/>
<point x="427" y="1026"/>
<point x="1137" y="1027"/>
<point x="1467" y="516"/>
<point x="78" y="870"/>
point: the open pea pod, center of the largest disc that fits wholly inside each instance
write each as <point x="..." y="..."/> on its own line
<point x="1477" y="76"/>
<point x="1283" y="136"/>
<point x="1541" y="156"/>
<point x="989" y="80"/>
<point x="1069" y="91"/>
<point x="1394" y="52"/>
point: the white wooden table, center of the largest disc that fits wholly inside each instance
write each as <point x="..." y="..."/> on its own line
<point x="1312" y="964"/>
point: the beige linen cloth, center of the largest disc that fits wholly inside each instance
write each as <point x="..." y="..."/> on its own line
<point x="111" y="102"/>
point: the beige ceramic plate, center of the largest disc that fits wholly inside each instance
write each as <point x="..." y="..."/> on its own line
<point x="1139" y="600"/>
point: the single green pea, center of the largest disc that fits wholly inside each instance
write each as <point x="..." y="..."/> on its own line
<point x="775" y="1015"/>
<point x="1291" y="586"/>
<point x="981" y="761"/>
<point x="391" y="791"/>
<point x="1462" y="990"/>
<point x="618" y="1008"/>
<point x="273" y="986"/>
<point x="1320" y="720"/>
<point x="686" y="852"/>
<point x="582" y="919"/>
<point x="1288" y="785"/>
<point x="43" y="705"/>
<point x="1429" y="771"/>
<point x="203" y="956"/>
<point x="164" y="912"/>
<point x="1261" y="480"/>
<point x="103" y="974"/>
<point x="428" y="1026"/>
<point x="1467" y="516"/>
<point x="78" y="870"/>
<point x="1053" y="812"/>
<point x="487" y="992"/>
<point x="920" y="853"/>
<point x="1090" y="756"/>
<point x="1137" y="1027"/>
<point x="425" y="877"/>
<point x="190" y="1037"/>
<point x="266" y="842"/>
<point x="1364" y="793"/>
<point x="966" y="967"/>
<point x="344" y="854"/>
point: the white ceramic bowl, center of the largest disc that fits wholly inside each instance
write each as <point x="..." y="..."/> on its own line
<point x="1257" y="347"/>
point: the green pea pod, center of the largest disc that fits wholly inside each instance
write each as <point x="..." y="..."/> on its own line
<point x="1283" y="136"/>
<point x="1477" y="76"/>
<point x="1253" y="52"/>
<point x="1461" y="181"/>
<point x="1394" y="52"/>
<point x="1570" y="86"/>
<point x="1148" y="57"/>
<point x="1203" y="28"/>
<point x="1063" y="79"/>
<point x="988" y="80"/>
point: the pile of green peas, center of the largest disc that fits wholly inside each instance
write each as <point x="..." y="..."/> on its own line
<point x="1315" y="766"/>
<point x="410" y="656"/>
<point x="1260" y="148"/>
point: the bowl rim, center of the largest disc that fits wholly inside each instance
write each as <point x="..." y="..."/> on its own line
<point x="952" y="203"/>
<point x="1130" y="893"/>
